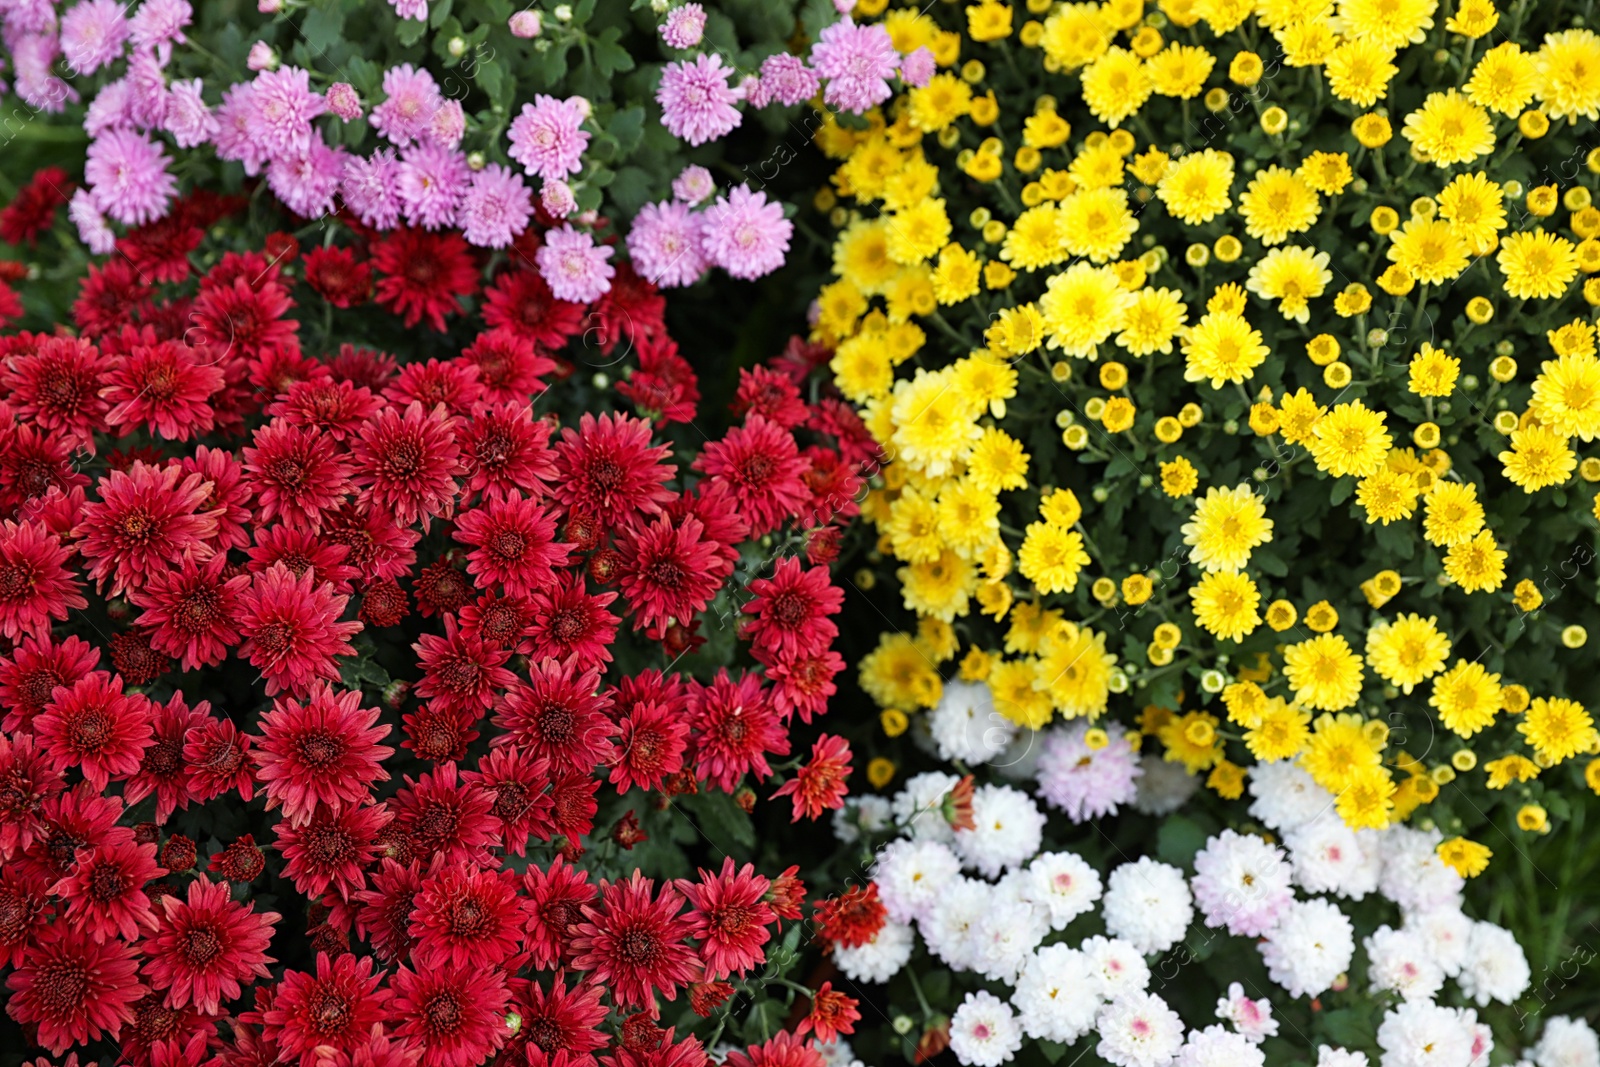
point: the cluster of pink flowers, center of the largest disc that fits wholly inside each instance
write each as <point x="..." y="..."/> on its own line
<point x="181" y="472"/>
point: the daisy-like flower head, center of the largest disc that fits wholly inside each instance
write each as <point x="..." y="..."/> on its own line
<point x="322" y="751"/>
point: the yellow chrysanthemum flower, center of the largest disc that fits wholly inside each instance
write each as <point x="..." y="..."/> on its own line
<point x="1293" y="276"/>
<point x="1226" y="526"/>
<point x="1178" y="477"/>
<point x="1537" y="265"/>
<point x="997" y="461"/>
<point x="1082" y="307"/>
<point x="1052" y="557"/>
<point x="1074" y="670"/>
<point x="1350" y="439"/>
<point x="1557" y="728"/>
<point x="1324" y="672"/>
<point x="1408" y="651"/>
<point x="1196" y="188"/>
<point x="1152" y="321"/>
<point x="1280" y="732"/>
<point x="1337" y="749"/>
<point x="1538" y="458"/>
<point x="1449" y="129"/>
<point x="1475" y="208"/>
<point x="1429" y="250"/>
<point x="1116" y="85"/>
<point x="897" y="674"/>
<point x="1222" y="348"/>
<point x="1504" y="80"/>
<point x="1566" y="395"/>
<point x="1097" y="223"/>
<point x="1225" y="604"/>
<point x="1367" y="800"/>
<point x="1359" y="71"/>
<point x="1569" y="74"/>
<point x="1476" y="565"/>
<point x="1452" y="513"/>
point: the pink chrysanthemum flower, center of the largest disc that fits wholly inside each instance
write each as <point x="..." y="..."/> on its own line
<point x="668" y="572"/>
<point x="745" y="234"/>
<point x="455" y="1015"/>
<point x="693" y="185"/>
<point x="33" y="670"/>
<point x="292" y="631"/>
<point x="343" y="101"/>
<point x="57" y="387"/>
<point x="697" y="103"/>
<point x="857" y="62"/>
<point x="233" y="140"/>
<point x="461" y="671"/>
<point x="370" y="186"/>
<point x="431" y="182"/>
<point x="324" y="751"/>
<point x="162" y="387"/>
<point x="104" y="893"/>
<point x="411" y="96"/>
<point x="95" y="727"/>
<point x="633" y="941"/>
<point x="495" y="208"/>
<point x="729" y="916"/>
<point x="297" y="474"/>
<point x="379" y="546"/>
<point x="306" y="181"/>
<point x="1243" y="883"/>
<point x="917" y="68"/>
<point x="465" y="915"/>
<point x="206" y="947"/>
<point x="684" y="26"/>
<point x="407" y="463"/>
<point x="1088" y="783"/>
<point x="513" y="544"/>
<point x="284" y="108"/>
<point x="191" y="610"/>
<point x="187" y="118"/>
<point x="786" y="79"/>
<point x="761" y="467"/>
<point x="664" y="244"/>
<point x="158" y="24"/>
<point x="791" y="610"/>
<point x="333" y="1008"/>
<point x="608" y="469"/>
<point x="162" y="770"/>
<point x="92" y="35"/>
<point x="74" y="989"/>
<point x="449" y="124"/>
<point x="559" y="716"/>
<point x="36" y="588"/>
<point x="147" y="518"/>
<point x="574" y="266"/>
<point x="548" y="137"/>
<point x="735" y="729"/>
<point x="557" y="199"/>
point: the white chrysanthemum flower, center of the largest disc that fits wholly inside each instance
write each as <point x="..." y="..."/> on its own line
<point x="837" y="1053"/>
<point x="1147" y="903"/>
<point x="1251" y="1018"/>
<point x="1400" y="961"/>
<point x="1241" y="882"/>
<point x="965" y="725"/>
<point x="1003" y="938"/>
<point x="1138" y="1030"/>
<point x="1414" y="876"/>
<point x="1163" y="786"/>
<point x="868" y="812"/>
<point x="1567" y="1042"/>
<point x="1286" y="796"/>
<point x="1007" y="829"/>
<point x="1327" y="1056"/>
<point x="1064" y="884"/>
<point x="1057" y="995"/>
<point x="1117" y="966"/>
<point x="911" y="875"/>
<point x="947" y="928"/>
<point x="984" y="1031"/>
<point x="1329" y="857"/>
<point x="1496" y="967"/>
<point x="1446" y="931"/>
<point x="919" y="806"/>
<point x="879" y="959"/>
<point x="1311" y="947"/>
<point x="1217" y="1046"/>
<point x="1420" y="1033"/>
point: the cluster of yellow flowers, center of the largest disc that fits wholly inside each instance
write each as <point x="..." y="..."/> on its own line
<point x="1030" y="247"/>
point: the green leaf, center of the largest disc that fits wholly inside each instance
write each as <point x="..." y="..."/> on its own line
<point x="721" y="820"/>
<point x="410" y="31"/>
<point x="1179" y="839"/>
<point x="1052" y="1050"/>
<point x="609" y="56"/>
<point x="1346" y="1027"/>
<point x="323" y="27"/>
<point x="631" y="190"/>
<point x="440" y="12"/>
<point x="1342" y="489"/>
<point x="627" y="127"/>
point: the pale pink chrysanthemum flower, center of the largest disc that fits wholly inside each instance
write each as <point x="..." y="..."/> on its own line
<point x="370" y="188"/>
<point x="284" y="108"/>
<point x="262" y="57"/>
<point x="786" y="79"/>
<point x="411" y="97"/>
<point x="147" y="90"/>
<point x="188" y="119"/>
<point x="496" y="207"/>
<point x="432" y="179"/>
<point x="573" y="266"/>
<point x="664" y="244"/>
<point x="745" y="234"/>
<point x="1087" y="783"/>
<point x="697" y="103"/>
<point x="343" y="101"/>
<point x="1243" y="883"/>
<point x="857" y="62"/>
<point x="108" y="109"/>
<point x="917" y="68"/>
<point x="684" y="26"/>
<point x="92" y="227"/>
<point x="128" y="173"/>
<point x="410" y="9"/>
<point x="306" y="182"/>
<point x="525" y="24"/>
<point x="232" y="139"/>
<point x="92" y="35"/>
<point x="694" y="185"/>
<point x="548" y="138"/>
<point x="158" y="24"/>
<point x="33" y="57"/>
<point x="557" y="200"/>
<point x="449" y="124"/>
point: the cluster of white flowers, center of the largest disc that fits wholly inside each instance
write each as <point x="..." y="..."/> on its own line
<point x="986" y="899"/>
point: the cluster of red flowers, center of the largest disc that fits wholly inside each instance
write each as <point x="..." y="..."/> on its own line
<point x="336" y="497"/>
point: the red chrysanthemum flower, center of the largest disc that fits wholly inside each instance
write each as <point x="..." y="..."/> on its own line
<point x="818" y="785"/>
<point x="558" y="716"/>
<point x="784" y="1050"/>
<point x="510" y="367"/>
<point x="384" y="913"/>
<point x="443" y="815"/>
<point x="517" y="780"/>
<point x="834" y="485"/>
<point x="331" y="407"/>
<point x="573" y="805"/>
<point x="365" y="368"/>
<point x="104" y="892"/>
<point x="760" y="463"/>
<point x="191" y="610"/>
<point x="28" y="779"/>
<point x="507" y="451"/>
<point x="801" y="685"/>
<point x="147" y="518"/>
<point x="241" y="861"/>
<point x="437" y="733"/>
<point x="633" y="942"/>
<point x="521" y="301"/>
<point x="707" y="997"/>
<point x="735" y="728"/>
<point x="161" y="387"/>
<point x="66" y="822"/>
<point x="786" y="894"/>
<point x="654" y="737"/>
<point x="296" y="473"/>
<point x="323" y="752"/>
<point x="33" y="209"/>
<point x="162" y="769"/>
<point x="852" y="918"/>
<point x="33" y="670"/>
<point x="243" y="320"/>
<point x="228" y="498"/>
<point x="501" y="621"/>
<point x="205" y="947"/>
<point x="632" y="309"/>
<point x="35" y="585"/>
<point x="111" y="296"/>
<point x="332" y="850"/>
<point x="134" y="659"/>
<point x="332" y="1008"/>
<point x="301" y="550"/>
<point x="466" y="915"/>
<point x="383" y="604"/>
<point x="461" y="671"/>
<point x="407" y="463"/>
<point x="96" y="727"/>
<point x="292" y="630"/>
<point x="454" y="1014"/>
<point x="664" y="388"/>
<point x="379" y="546"/>
<point x="442" y="587"/>
<point x="608" y="469"/>
<point x="570" y="624"/>
<point x="25" y="910"/>
<point x="557" y="896"/>
<point x="791" y="610"/>
<point x="74" y="989"/>
<point x="423" y="275"/>
<point x="659" y="1051"/>
<point x="729" y="914"/>
<point x="668" y="573"/>
<point x="160" y="250"/>
<point x="33" y="462"/>
<point x="178" y="854"/>
<point x="772" y="395"/>
<point x="560" y="1020"/>
<point x="338" y="276"/>
<point x="514" y="544"/>
<point x="453" y="383"/>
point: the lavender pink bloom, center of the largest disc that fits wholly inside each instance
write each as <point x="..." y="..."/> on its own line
<point x="917" y="69"/>
<point x="233" y="138"/>
<point x="787" y="79"/>
<point x="495" y="208"/>
<point x="432" y="180"/>
<point x="1243" y="883"/>
<point x="108" y="109"/>
<point x="693" y="185"/>
<point x="147" y="90"/>
<point x="557" y="200"/>
<point x="411" y="98"/>
<point x="449" y="124"/>
<point x="525" y="24"/>
<point x="573" y="266"/>
<point x="284" y="108"/>
<point x="369" y="187"/>
<point x="92" y="35"/>
<point x="306" y="183"/>
<point x="684" y="26"/>
<point x="343" y="101"/>
<point x="128" y="173"/>
<point x="745" y="234"/>
<point x="410" y="9"/>
<point x="91" y="224"/>
<point x="1087" y="783"/>
<point x="857" y="62"/>
<point x="188" y="119"/>
<point x="158" y="25"/>
<point x="548" y="138"/>
<point x="32" y="55"/>
<point x="262" y="57"/>
<point x="697" y="103"/>
<point x="664" y="244"/>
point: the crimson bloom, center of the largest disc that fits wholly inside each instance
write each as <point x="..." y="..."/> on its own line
<point x="33" y="463"/>
<point x="517" y="779"/>
<point x="96" y="727"/>
<point x="33" y="670"/>
<point x="511" y="367"/>
<point x="74" y="989"/>
<point x="28" y="779"/>
<point x="507" y="451"/>
<point x="161" y="386"/>
<point x="453" y="383"/>
<point x="296" y="472"/>
<point x="668" y="572"/>
<point x="423" y="275"/>
<point x="561" y="1020"/>
<point x="853" y="918"/>
<point x="384" y="912"/>
<point x="33" y="209"/>
<point x="219" y="760"/>
<point x="332" y="849"/>
<point x="730" y="916"/>
<point x="332" y="1008"/>
<point x="784" y="1050"/>
<point x="205" y="947"/>
<point x="465" y="915"/>
<point x="633" y="941"/>
<point x="801" y="685"/>
<point x="654" y="737"/>
<point x="735" y="729"/>
<point x="35" y="585"/>
<point x="292" y="630"/>
<point x="514" y="544"/>
<point x="762" y="466"/>
<point x="442" y="814"/>
<point x="521" y="301"/>
<point x="243" y="318"/>
<point x="407" y="463"/>
<point x="146" y="519"/>
<point x="569" y="623"/>
<point x="56" y="387"/>
<point x="300" y="549"/>
<point x="25" y="909"/>
<point x="819" y="784"/>
<point x="191" y="610"/>
<point x="559" y="716"/>
<point x="607" y="468"/>
<point x="162" y="770"/>
<point x="791" y="610"/>
<point x="323" y="751"/>
<point x="338" y="277"/>
<point x="104" y="893"/>
<point x="455" y="1013"/>
<point x="461" y="671"/>
<point x="557" y="896"/>
<point x="333" y="408"/>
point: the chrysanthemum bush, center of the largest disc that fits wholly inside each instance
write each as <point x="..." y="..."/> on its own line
<point x="390" y="662"/>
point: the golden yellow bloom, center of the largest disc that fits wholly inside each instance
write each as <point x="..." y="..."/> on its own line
<point x="1225" y="604"/>
<point x="1136" y="589"/>
<point x="1178" y="477"/>
<point x="1407" y="651"/>
<point x="1537" y="265"/>
<point x="1353" y="299"/>
<point x="1074" y="670"/>
<point x="1476" y="565"/>
<point x="1449" y="129"/>
<point x="1245" y="69"/>
<point x="956" y="277"/>
<point x="1538" y="458"/>
<point x="1337" y="749"/>
<point x="1324" y="671"/>
<point x="1245" y="701"/>
<point x="1082" y="307"/>
<point x="1326" y="172"/>
<point x="1192" y="740"/>
<point x="1096" y="223"/>
<point x="1372" y="130"/>
<point x="976" y="664"/>
<point x="1557" y="728"/>
<point x="1504" y="771"/>
<point x="1566" y="395"/>
<point x="1225" y="526"/>
<point x="1227" y="780"/>
<point x="1281" y="732"/>
<point x="1350" y="439"/>
<point x="1433" y="372"/>
<point x="1359" y="70"/>
<point x="1196" y="188"/>
<point x="989" y="20"/>
<point x="1180" y="70"/>
<point x="1293" y="276"/>
<point x="897" y="674"/>
<point x="1467" y="858"/>
<point x="1569" y="74"/>
<point x="1504" y="79"/>
<point x="1116" y="85"/>
<point x="1367" y="799"/>
<point x="1052" y="557"/>
<point x="941" y="588"/>
<point x="1151" y="321"/>
<point x="1452" y="513"/>
<point x="1532" y="818"/>
<point x="1429" y="251"/>
<point x="1222" y="348"/>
